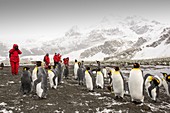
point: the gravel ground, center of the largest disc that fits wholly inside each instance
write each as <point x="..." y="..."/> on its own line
<point x="69" y="97"/>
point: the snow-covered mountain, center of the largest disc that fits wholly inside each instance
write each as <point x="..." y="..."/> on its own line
<point x="114" y="38"/>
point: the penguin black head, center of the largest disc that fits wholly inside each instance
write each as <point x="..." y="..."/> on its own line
<point x="98" y="62"/>
<point x="87" y="68"/>
<point x="54" y="67"/>
<point x="116" y="68"/>
<point x="75" y="60"/>
<point x="136" y="65"/>
<point x="49" y="67"/>
<point x="110" y="72"/>
<point x="98" y="69"/>
<point x="61" y="61"/>
<point x="38" y="63"/>
<point x="164" y="74"/>
<point x="79" y="64"/>
<point x="26" y="68"/>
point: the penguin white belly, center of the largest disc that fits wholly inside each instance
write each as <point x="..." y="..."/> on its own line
<point x="51" y="76"/>
<point x="165" y="86"/>
<point x="99" y="80"/>
<point x="105" y="73"/>
<point x="118" y="85"/>
<point x="147" y="85"/>
<point x="136" y="85"/>
<point x="75" y="70"/>
<point x="34" y="74"/>
<point x="39" y="90"/>
<point x="154" y="94"/>
<point x="89" y="83"/>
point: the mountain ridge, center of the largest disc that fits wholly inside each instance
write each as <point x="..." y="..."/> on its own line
<point x="111" y="38"/>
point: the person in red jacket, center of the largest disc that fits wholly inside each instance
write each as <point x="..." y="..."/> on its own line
<point x="46" y="60"/>
<point x="14" y="59"/>
<point x="56" y="58"/>
<point x="66" y="61"/>
<point x="66" y="67"/>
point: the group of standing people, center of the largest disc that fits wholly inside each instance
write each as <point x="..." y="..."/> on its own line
<point x="14" y="59"/>
<point x="61" y="65"/>
<point x="56" y="58"/>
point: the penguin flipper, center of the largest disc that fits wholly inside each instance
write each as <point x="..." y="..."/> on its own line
<point x="168" y="87"/>
<point x="157" y="91"/>
<point x="123" y="80"/>
<point x="150" y="89"/>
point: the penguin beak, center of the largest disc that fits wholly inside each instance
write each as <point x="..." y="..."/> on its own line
<point x="164" y="74"/>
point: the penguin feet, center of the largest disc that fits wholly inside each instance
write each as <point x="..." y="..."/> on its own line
<point x="80" y="83"/>
<point x="34" y="93"/>
<point x="99" y="87"/>
<point x="54" y="87"/>
<point x="91" y="90"/>
<point x="137" y="102"/>
<point x="44" y="97"/>
<point x="121" y="98"/>
<point x="154" y="101"/>
<point x="118" y="97"/>
<point x="132" y="100"/>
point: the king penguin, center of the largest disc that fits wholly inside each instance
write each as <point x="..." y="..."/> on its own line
<point x="35" y="75"/>
<point x="75" y="69"/>
<point x="99" y="79"/>
<point x="152" y="84"/>
<point x="166" y="83"/>
<point x="53" y="79"/>
<point x="88" y="79"/>
<point x="136" y="84"/>
<point x="35" y="71"/>
<point x="40" y="84"/>
<point x="80" y="74"/>
<point x="41" y="88"/>
<point x="26" y="85"/>
<point x="118" y="83"/>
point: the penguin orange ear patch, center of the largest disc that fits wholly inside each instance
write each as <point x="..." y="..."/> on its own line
<point x="169" y="77"/>
<point x="150" y="78"/>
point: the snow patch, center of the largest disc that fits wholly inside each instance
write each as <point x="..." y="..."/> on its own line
<point x="3" y="104"/>
<point x="6" y="111"/>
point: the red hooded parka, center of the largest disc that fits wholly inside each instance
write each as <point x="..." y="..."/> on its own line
<point x="14" y="59"/>
<point x="46" y="60"/>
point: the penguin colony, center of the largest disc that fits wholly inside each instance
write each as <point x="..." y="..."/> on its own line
<point x="36" y="82"/>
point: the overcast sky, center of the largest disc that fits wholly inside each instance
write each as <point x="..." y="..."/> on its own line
<point x="31" y="18"/>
